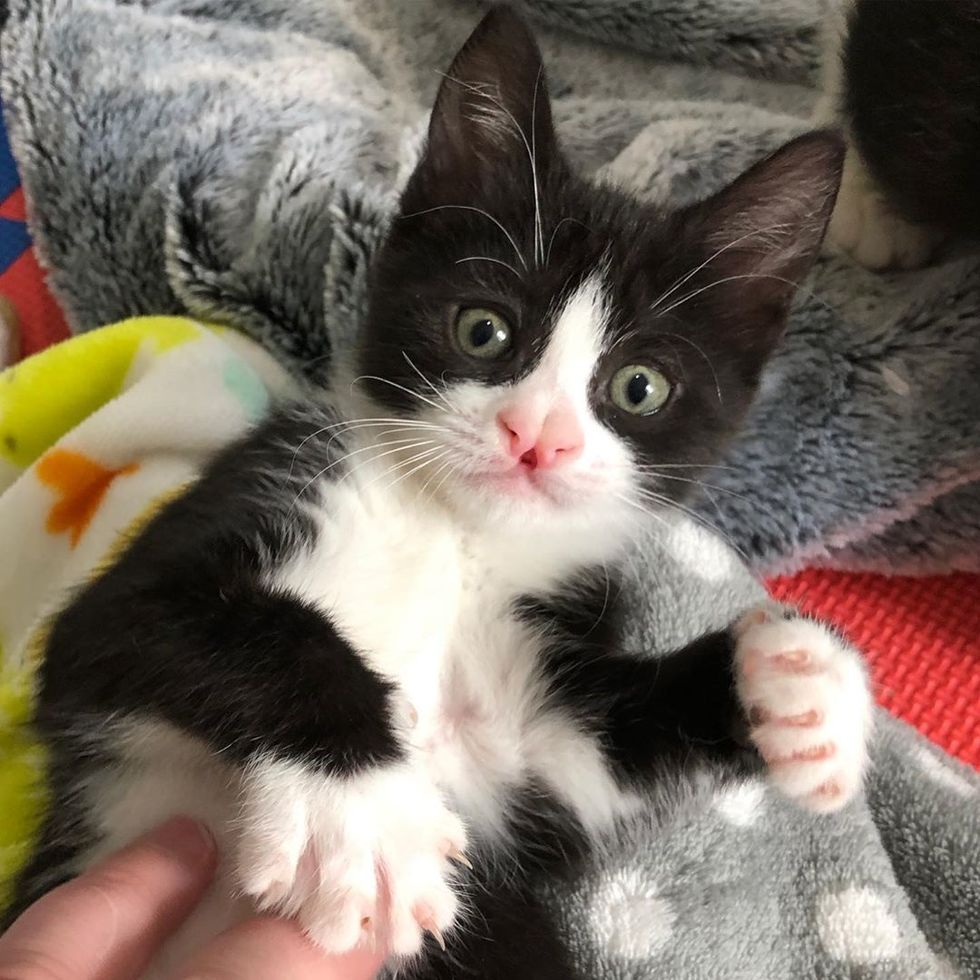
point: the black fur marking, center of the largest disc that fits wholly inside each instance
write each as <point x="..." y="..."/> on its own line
<point x="648" y="713"/>
<point x="189" y="609"/>
<point x="912" y="97"/>
<point x="507" y="935"/>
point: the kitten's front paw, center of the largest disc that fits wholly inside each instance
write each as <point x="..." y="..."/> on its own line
<point x="868" y="229"/>
<point x="809" y="706"/>
<point x="362" y="860"/>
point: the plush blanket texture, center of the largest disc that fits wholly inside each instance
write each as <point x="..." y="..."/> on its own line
<point x="237" y="159"/>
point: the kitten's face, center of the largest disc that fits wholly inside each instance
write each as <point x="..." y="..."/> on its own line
<point x="559" y="350"/>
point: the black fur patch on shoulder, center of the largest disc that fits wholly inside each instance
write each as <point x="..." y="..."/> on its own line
<point x="186" y="627"/>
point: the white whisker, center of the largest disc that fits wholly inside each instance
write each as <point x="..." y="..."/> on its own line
<point x="551" y="241"/>
<point x="402" y="444"/>
<point x="700" y="519"/>
<point x="530" y="148"/>
<point x="707" y="360"/>
<point x="487" y="258"/>
<point x="434" y="474"/>
<point x="538" y="232"/>
<point x="643" y="510"/>
<point x="699" y="483"/>
<point x="710" y="285"/>
<point x="359" y="424"/>
<point x="388" y="469"/>
<point x="628" y="335"/>
<point x="453" y="469"/>
<point x="424" y="456"/>
<point x="468" y="207"/>
<point x="435" y="390"/>
<point x="395" y="384"/>
<point x="330" y="466"/>
<point x="683" y="279"/>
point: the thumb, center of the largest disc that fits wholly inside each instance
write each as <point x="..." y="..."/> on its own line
<point x="266" y="948"/>
<point x="107" y="923"/>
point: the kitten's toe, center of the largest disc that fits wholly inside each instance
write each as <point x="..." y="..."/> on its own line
<point x="418" y="874"/>
<point x="274" y="836"/>
<point x="358" y="861"/>
<point x="806" y="696"/>
<point x="340" y="910"/>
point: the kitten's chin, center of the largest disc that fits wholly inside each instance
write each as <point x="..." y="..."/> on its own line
<point x="523" y="486"/>
<point x="532" y="500"/>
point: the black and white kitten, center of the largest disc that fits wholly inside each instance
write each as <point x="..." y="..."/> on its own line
<point x="904" y="78"/>
<point x="380" y="636"/>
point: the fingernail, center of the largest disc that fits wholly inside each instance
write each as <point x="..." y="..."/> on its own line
<point x="188" y="839"/>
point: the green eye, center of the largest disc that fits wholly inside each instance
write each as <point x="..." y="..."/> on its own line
<point x="639" y="389"/>
<point x="482" y="333"/>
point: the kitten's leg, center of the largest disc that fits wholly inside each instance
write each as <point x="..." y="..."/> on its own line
<point x="786" y="684"/>
<point x="863" y="224"/>
<point x="866" y="226"/>
<point x="337" y="825"/>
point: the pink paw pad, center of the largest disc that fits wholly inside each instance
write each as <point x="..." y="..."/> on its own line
<point x="808" y="705"/>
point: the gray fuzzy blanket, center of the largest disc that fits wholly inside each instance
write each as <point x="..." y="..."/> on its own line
<point x="237" y="159"/>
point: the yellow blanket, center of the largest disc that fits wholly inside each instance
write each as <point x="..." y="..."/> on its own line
<point x="95" y="435"/>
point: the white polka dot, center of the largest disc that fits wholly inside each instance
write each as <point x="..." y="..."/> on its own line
<point x="628" y="918"/>
<point x="697" y="551"/>
<point x="939" y="772"/>
<point x="855" y="925"/>
<point x="947" y="969"/>
<point x="741" y="805"/>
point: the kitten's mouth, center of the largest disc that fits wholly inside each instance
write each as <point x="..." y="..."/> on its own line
<point x="526" y="482"/>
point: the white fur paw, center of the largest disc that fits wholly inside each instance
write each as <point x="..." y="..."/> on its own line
<point x="808" y="702"/>
<point x="864" y="225"/>
<point x="358" y="861"/>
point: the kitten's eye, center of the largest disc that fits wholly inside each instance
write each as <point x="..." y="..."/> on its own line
<point x="639" y="390"/>
<point x="482" y="333"/>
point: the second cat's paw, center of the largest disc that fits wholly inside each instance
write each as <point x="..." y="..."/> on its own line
<point x="362" y="860"/>
<point x="868" y="229"/>
<point x="809" y="706"/>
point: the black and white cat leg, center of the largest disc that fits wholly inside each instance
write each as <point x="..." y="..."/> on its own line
<point x="865" y="226"/>
<point x="809" y="705"/>
<point x="363" y="860"/>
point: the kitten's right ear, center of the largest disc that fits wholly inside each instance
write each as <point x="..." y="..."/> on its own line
<point x="491" y="120"/>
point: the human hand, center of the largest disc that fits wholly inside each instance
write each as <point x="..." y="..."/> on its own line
<point x="108" y="923"/>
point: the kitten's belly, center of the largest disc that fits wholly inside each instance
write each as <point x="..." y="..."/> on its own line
<point x="495" y="728"/>
<point x="430" y="610"/>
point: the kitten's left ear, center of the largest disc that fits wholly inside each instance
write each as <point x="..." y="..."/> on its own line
<point x="491" y="122"/>
<point x="762" y="233"/>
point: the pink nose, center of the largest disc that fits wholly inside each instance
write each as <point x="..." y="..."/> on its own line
<point x="541" y="443"/>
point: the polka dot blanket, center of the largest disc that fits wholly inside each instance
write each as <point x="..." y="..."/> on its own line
<point x="95" y="434"/>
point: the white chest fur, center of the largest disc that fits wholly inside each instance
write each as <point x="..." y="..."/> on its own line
<point x="431" y="608"/>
